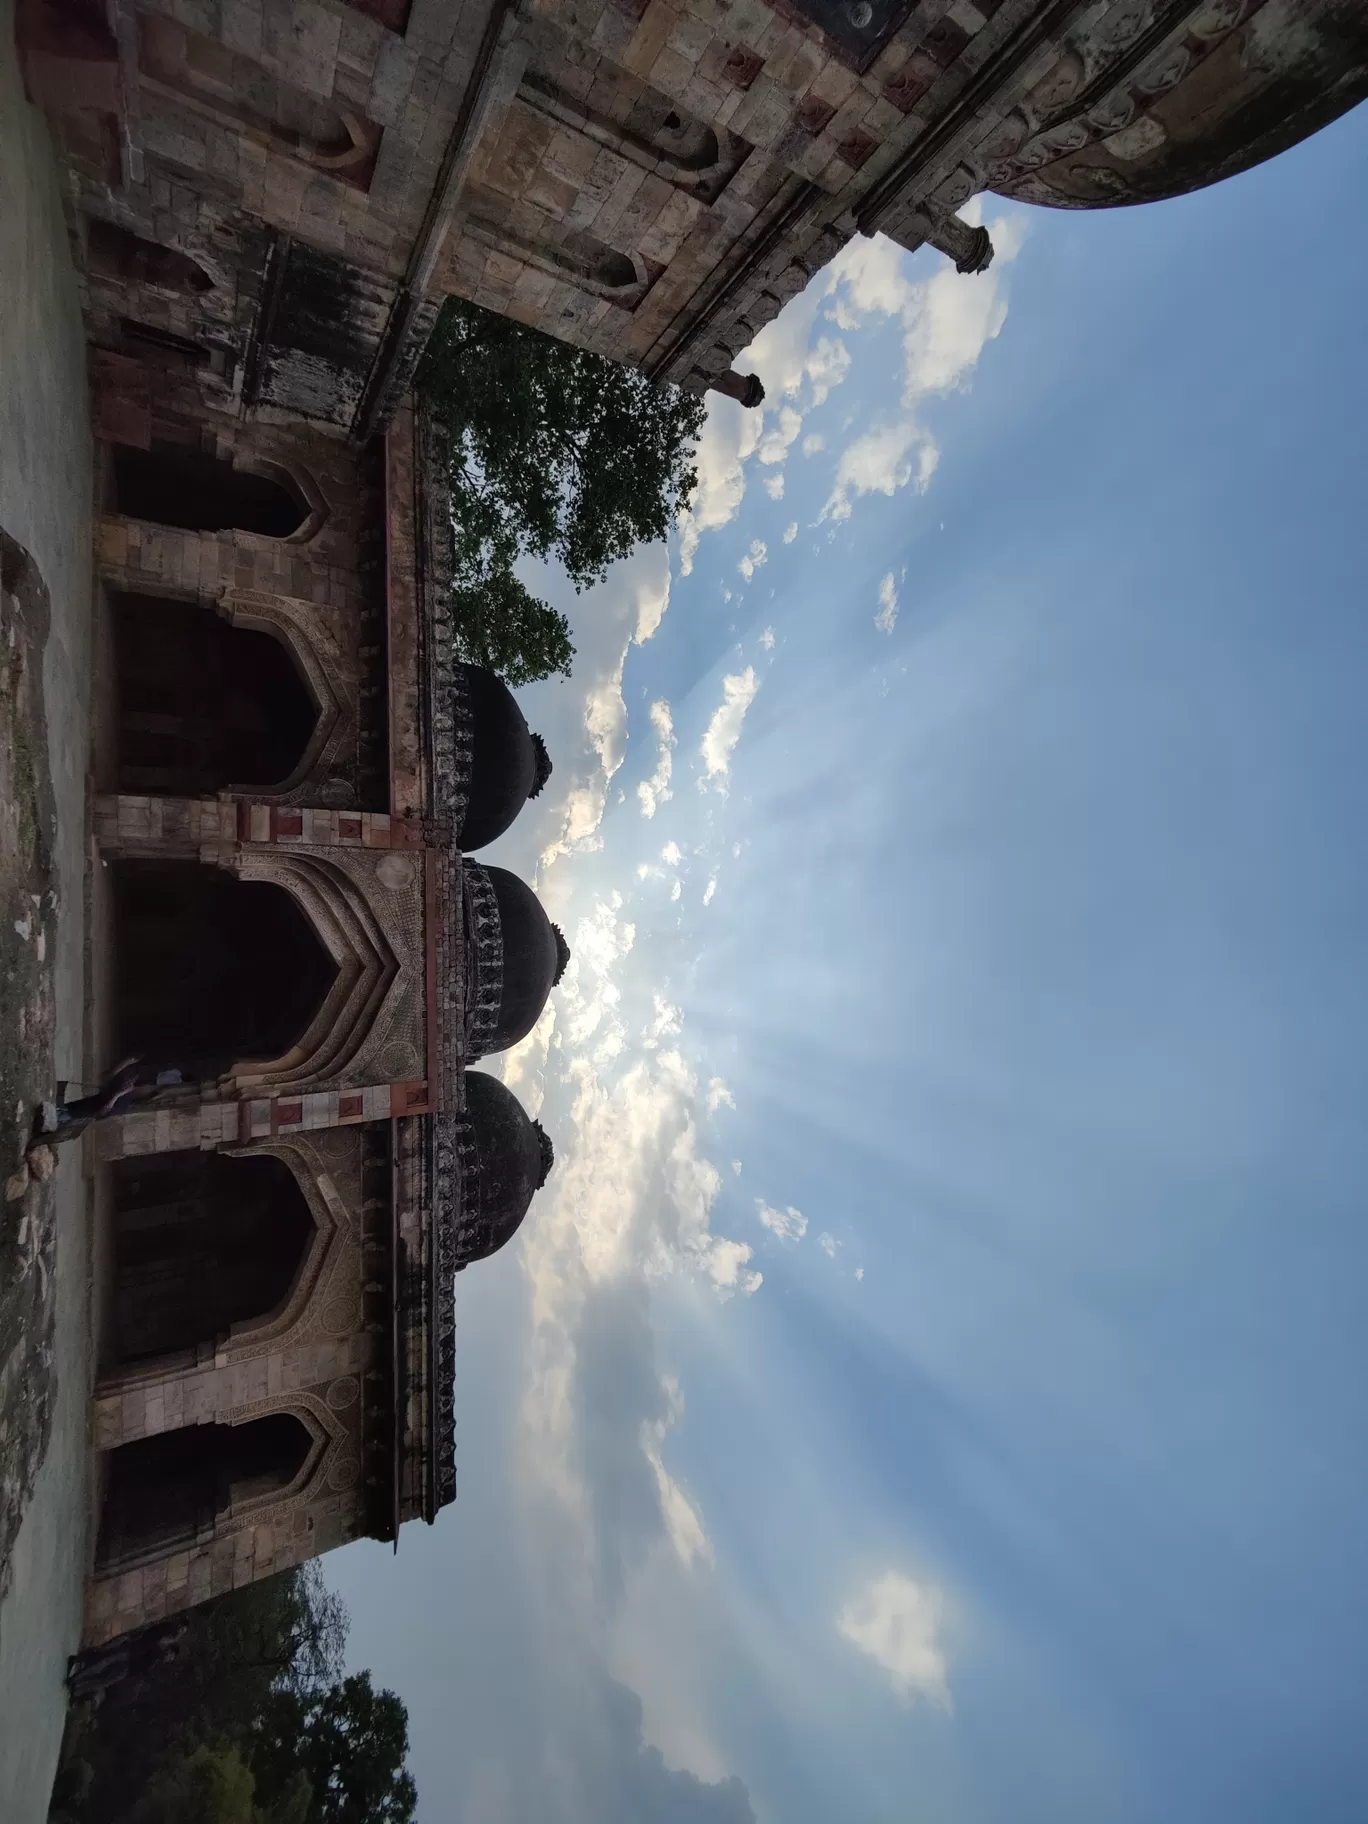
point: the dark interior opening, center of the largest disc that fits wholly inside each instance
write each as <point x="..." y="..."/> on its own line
<point x="200" y="493"/>
<point x="117" y="253"/>
<point x="211" y="969"/>
<point x="162" y="1491"/>
<point x="203" y="705"/>
<point x="162" y="344"/>
<point x="202" y="1241"/>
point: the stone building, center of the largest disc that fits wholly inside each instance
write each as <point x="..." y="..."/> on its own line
<point x="291" y="768"/>
<point x="269" y="202"/>
<point x="296" y="185"/>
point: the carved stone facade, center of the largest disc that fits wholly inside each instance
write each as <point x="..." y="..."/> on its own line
<point x="288" y="192"/>
<point x="288" y="755"/>
<point x="318" y="1359"/>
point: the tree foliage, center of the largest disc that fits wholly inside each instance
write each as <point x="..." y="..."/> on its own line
<point x="252" y="1722"/>
<point x="556" y="453"/>
<point x="349" y="1741"/>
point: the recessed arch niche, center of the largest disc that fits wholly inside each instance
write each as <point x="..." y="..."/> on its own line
<point x="116" y="252"/>
<point x="211" y="969"/>
<point x="205" y="705"/>
<point x="169" y="1490"/>
<point x="206" y="1244"/>
<point x="197" y="492"/>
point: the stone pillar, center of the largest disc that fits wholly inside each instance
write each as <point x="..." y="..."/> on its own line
<point x="746" y="389"/>
<point x="238" y="1117"/>
<point x="209" y="829"/>
<point x="970" y="248"/>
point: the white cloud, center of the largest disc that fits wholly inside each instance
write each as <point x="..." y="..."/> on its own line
<point x="523" y="1067"/>
<point x="667" y="1022"/>
<point x="653" y="792"/>
<point x="767" y="639"/>
<point x="896" y="1622"/>
<point x="780" y="436"/>
<point x="790" y="532"/>
<point x="859" y="1272"/>
<point x="629" y="1203"/>
<point x="683" y="1523"/>
<point x="724" y="730"/>
<point x="676" y="888"/>
<point x="887" y="617"/>
<point x="736" y="1167"/>
<point x="754" y="558"/>
<point x="947" y="321"/>
<point x="788" y="1224"/>
<point x="719" y="1096"/>
<point x="730" y="434"/>
<point x="774" y="485"/>
<point x="726" y="1267"/>
<point x="813" y="442"/>
<point x="881" y="461"/>
<point x="797" y="372"/>
<point x="672" y="854"/>
<point x="585" y="722"/>
<point x="652" y="601"/>
<point x="827" y="367"/>
<point x="828" y="1244"/>
<point x="709" y="890"/>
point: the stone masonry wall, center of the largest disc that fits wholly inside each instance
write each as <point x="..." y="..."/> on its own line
<point x="652" y="179"/>
<point x="601" y="174"/>
<point x="324" y="1358"/>
<point x="321" y="590"/>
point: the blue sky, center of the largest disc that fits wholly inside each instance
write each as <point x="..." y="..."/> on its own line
<point x="932" y="1385"/>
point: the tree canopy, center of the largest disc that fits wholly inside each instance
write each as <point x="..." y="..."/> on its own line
<point x="250" y="1722"/>
<point x="348" y="1740"/>
<point x="556" y="453"/>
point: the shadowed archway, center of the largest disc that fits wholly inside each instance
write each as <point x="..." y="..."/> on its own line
<point x="115" y="252"/>
<point x="170" y="486"/>
<point x="203" y="705"/>
<point x="164" y="1491"/>
<point x="203" y="1242"/>
<point x="211" y="969"/>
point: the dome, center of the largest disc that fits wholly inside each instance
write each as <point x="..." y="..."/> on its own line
<point x="506" y="1157"/>
<point x="514" y="958"/>
<point x="1132" y="116"/>
<point x="507" y="763"/>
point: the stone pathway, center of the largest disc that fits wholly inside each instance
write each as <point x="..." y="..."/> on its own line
<point x="45" y="494"/>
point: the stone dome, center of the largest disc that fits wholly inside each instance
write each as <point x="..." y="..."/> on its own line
<point x="506" y="763"/>
<point x="514" y="957"/>
<point x="505" y="1157"/>
<point x="1138" y="109"/>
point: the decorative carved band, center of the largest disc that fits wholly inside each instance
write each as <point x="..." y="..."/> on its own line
<point x="484" y="960"/>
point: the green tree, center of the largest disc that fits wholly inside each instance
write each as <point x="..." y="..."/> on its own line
<point x="502" y="625"/>
<point x="349" y="1741"/>
<point x="250" y="1722"/>
<point x="211" y="1785"/>
<point x="214" y="1785"/>
<point x="555" y="453"/>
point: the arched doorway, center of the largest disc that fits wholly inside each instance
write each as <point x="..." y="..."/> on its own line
<point x="164" y="1492"/>
<point x="202" y="1241"/>
<point x="211" y="969"/>
<point x="203" y="705"/>
<point x="171" y="486"/>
